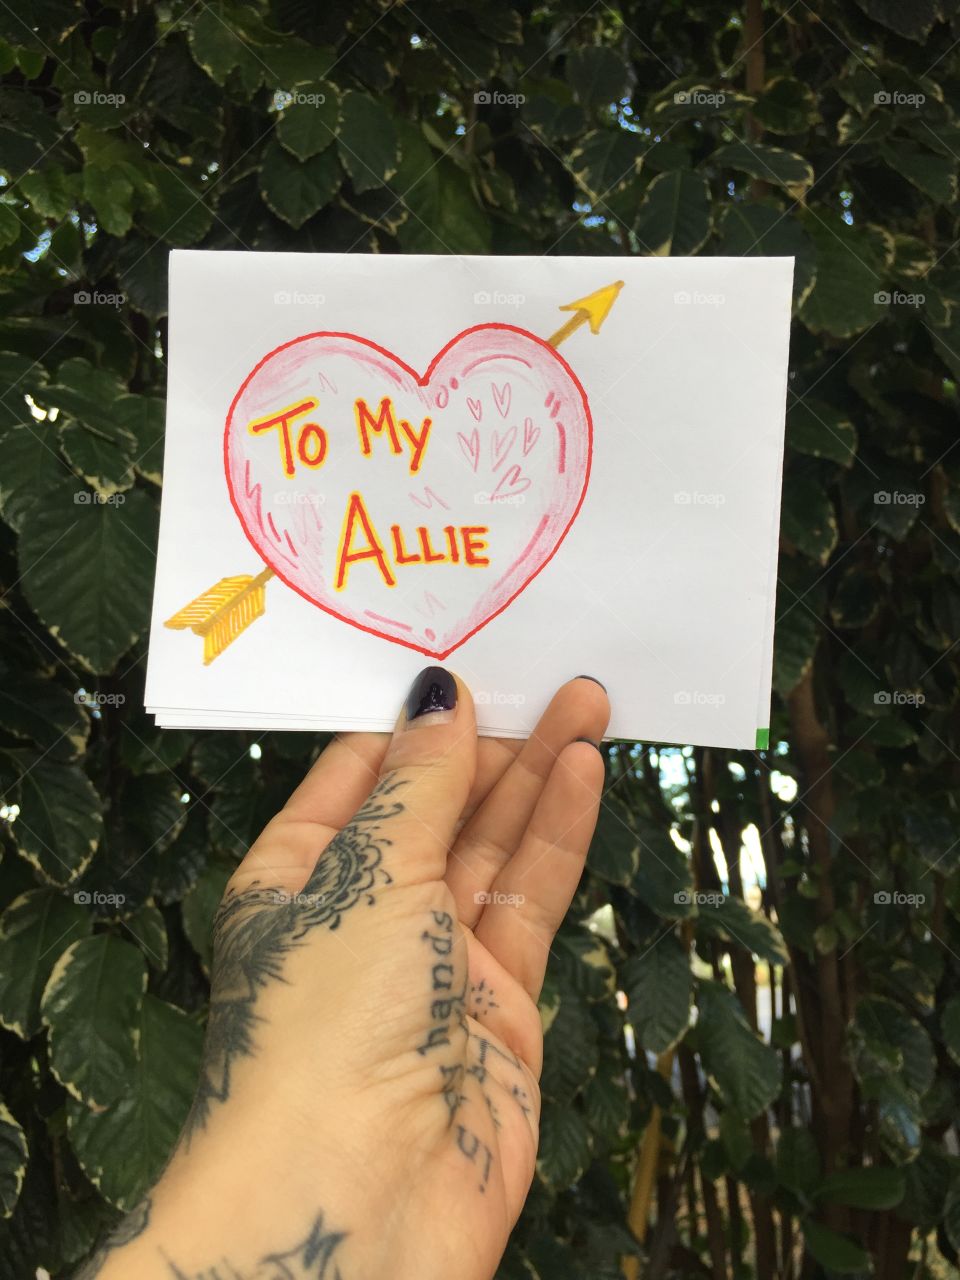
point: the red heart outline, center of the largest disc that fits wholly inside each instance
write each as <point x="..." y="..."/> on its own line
<point x="423" y="381"/>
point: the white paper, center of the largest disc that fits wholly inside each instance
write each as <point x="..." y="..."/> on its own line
<point x="654" y="573"/>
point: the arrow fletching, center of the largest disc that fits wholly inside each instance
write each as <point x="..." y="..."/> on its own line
<point x="221" y="613"/>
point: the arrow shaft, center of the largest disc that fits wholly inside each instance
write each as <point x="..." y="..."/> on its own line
<point x="565" y="330"/>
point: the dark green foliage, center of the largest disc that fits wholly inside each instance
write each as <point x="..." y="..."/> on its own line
<point x="443" y="127"/>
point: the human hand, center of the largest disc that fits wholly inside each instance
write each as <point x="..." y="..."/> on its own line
<point x="368" y="1103"/>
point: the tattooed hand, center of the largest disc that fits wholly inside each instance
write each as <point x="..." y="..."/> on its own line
<point x="368" y="1103"/>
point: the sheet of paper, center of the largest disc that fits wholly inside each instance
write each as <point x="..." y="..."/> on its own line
<point x="373" y="463"/>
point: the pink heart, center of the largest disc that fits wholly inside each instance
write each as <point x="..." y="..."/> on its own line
<point x="345" y="464"/>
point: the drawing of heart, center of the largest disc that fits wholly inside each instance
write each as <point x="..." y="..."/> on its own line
<point x="414" y="507"/>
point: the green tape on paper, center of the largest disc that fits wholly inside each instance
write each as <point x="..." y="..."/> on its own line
<point x="763" y="739"/>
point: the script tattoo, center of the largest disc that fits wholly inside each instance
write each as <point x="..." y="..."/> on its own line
<point x="254" y="930"/>
<point x="311" y="1259"/>
<point x="127" y="1229"/>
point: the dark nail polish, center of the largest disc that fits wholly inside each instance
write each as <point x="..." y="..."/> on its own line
<point x="433" y="690"/>
<point x="590" y="740"/>
<point x="595" y="681"/>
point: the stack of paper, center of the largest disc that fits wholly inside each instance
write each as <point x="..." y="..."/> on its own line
<point x="520" y="468"/>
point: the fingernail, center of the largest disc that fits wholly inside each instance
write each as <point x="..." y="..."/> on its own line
<point x="434" y="695"/>
<point x="595" y="681"/>
<point x="589" y="740"/>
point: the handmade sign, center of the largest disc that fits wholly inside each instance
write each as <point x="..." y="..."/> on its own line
<point x="372" y="503"/>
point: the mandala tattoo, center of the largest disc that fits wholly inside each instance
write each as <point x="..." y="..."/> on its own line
<point x="311" y="1259"/>
<point x="254" y="930"/>
<point x="127" y="1229"/>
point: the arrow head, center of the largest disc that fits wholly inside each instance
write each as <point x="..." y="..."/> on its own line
<point x="595" y="306"/>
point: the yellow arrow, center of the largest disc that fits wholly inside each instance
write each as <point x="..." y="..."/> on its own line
<point x="592" y="310"/>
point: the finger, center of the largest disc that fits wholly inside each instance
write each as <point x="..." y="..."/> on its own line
<point x="425" y="777"/>
<point x="530" y="896"/>
<point x="333" y="790"/>
<point x="579" y="709"/>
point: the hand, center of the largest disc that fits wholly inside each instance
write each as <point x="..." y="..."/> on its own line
<point x="368" y="1102"/>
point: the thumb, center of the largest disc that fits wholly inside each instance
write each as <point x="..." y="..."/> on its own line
<point x="426" y="776"/>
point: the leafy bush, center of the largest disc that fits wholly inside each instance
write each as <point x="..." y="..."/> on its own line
<point x="709" y="1149"/>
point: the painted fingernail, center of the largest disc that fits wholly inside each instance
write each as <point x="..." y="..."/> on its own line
<point x="595" y="681"/>
<point x="433" y="694"/>
<point x="589" y="740"/>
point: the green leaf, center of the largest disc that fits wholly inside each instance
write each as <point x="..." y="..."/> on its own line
<point x="295" y="190"/>
<point x="822" y="431"/>
<point x="31" y="466"/>
<point x="605" y="161"/>
<point x="199" y="907"/>
<point x="615" y="848"/>
<point x="218" y="45"/>
<point x="950" y="1027"/>
<point x="807" y="517"/>
<point x="786" y="105"/>
<point x="674" y="218"/>
<point x="606" y="1102"/>
<point x="874" y="1187"/>
<point x="914" y="21"/>
<point x="764" y="230"/>
<point x="851" y="267"/>
<point x="178" y="212"/>
<point x="147" y="928"/>
<point x="951" y="1213"/>
<point x="658" y="985"/>
<point x="570" y="1049"/>
<point x="795" y="643"/>
<point x="564" y="1150"/>
<point x="836" y="1252"/>
<point x="92" y="1006"/>
<point x="934" y="175"/>
<point x="124" y="1148"/>
<point x="798" y="1160"/>
<point x="769" y="164"/>
<point x="597" y="74"/>
<point x="34" y="930"/>
<point x="732" y="919"/>
<point x="70" y="550"/>
<point x="443" y="216"/>
<point x="60" y="821"/>
<point x="105" y="464"/>
<point x="42" y="712"/>
<point x="367" y="141"/>
<point x="13" y="1161"/>
<point x="307" y="128"/>
<point x="746" y="1071"/>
